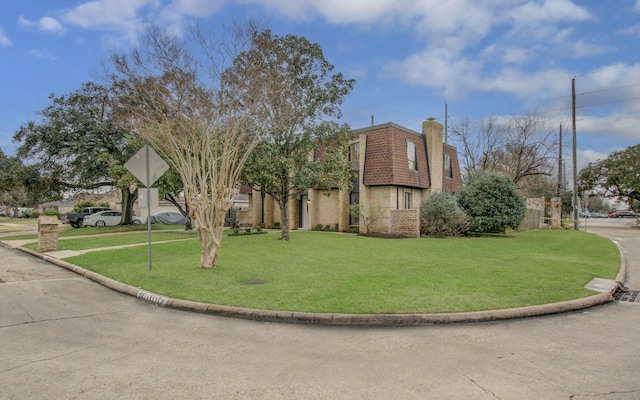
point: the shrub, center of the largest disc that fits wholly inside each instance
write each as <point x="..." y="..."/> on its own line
<point x="492" y="203"/>
<point x="441" y="216"/>
<point x="34" y="214"/>
<point x="248" y="230"/>
<point x="258" y="229"/>
<point x="318" y="227"/>
<point x="276" y="225"/>
<point x="52" y="212"/>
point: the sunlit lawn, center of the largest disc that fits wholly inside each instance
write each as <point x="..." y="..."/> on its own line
<point x="324" y="272"/>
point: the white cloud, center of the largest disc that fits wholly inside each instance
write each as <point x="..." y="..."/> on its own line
<point x="583" y="49"/>
<point x="44" y="24"/>
<point x="121" y="16"/>
<point x="438" y="69"/>
<point x="534" y="13"/>
<point x="633" y="30"/>
<point x="4" y="40"/>
<point x="338" y="11"/>
<point x="25" y="23"/>
<point x="50" y="25"/>
<point x="515" y="55"/>
<point x="638" y="5"/>
<point x="44" y="54"/>
<point x="195" y="8"/>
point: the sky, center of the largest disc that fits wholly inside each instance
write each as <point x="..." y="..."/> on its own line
<point x="483" y="58"/>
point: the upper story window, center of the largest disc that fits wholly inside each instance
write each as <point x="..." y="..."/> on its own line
<point x="411" y="155"/>
<point x="354" y="156"/>
<point x="448" y="172"/>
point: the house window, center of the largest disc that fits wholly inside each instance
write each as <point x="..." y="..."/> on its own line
<point x="407" y="200"/>
<point x="448" y="172"/>
<point x="354" y="156"/>
<point x="411" y="155"/>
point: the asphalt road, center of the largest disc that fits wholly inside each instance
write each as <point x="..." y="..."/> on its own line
<point x="65" y="337"/>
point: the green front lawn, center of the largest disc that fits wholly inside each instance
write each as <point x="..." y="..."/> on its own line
<point x="337" y="273"/>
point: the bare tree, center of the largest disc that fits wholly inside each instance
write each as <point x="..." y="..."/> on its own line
<point x="521" y="147"/>
<point x="174" y="93"/>
<point x="478" y="146"/>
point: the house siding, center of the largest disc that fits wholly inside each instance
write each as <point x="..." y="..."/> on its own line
<point x="453" y="184"/>
<point x="386" y="161"/>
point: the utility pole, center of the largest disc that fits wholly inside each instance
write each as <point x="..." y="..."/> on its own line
<point x="575" y="162"/>
<point x="559" y="190"/>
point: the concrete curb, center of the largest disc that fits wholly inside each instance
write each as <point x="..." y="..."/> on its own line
<point x="347" y="319"/>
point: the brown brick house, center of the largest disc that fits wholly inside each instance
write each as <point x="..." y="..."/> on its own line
<point x="396" y="169"/>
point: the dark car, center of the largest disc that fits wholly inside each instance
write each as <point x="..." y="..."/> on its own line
<point x="623" y="214"/>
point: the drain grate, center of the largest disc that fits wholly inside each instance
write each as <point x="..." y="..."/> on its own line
<point x="629" y="296"/>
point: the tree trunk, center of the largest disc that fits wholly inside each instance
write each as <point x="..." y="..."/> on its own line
<point x="128" y="199"/>
<point x="284" y="216"/>
<point x="209" y="243"/>
<point x="210" y="240"/>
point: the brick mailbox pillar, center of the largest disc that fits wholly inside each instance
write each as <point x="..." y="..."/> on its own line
<point x="47" y="233"/>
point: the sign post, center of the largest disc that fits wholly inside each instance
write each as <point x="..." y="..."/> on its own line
<point x="148" y="167"/>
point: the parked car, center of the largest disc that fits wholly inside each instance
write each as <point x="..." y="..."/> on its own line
<point x="77" y="219"/>
<point x="107" y="218"/>
<point x="597" y="215"/>
<point x="168" y="217"/>
<point x="623" y="214"/>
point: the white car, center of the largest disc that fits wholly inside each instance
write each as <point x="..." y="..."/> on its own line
<point x="107" y="218"/>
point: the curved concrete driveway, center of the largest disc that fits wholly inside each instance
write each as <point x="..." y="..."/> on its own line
<point x="62" y="336"/>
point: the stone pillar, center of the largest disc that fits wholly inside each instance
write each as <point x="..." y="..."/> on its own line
<point x="556" y="212"/>
<point x="47" y="233"/>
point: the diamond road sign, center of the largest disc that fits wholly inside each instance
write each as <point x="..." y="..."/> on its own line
<point x="146" y="156"/>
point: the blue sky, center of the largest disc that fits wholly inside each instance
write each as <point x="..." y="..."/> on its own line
<point x="482" y="57"/>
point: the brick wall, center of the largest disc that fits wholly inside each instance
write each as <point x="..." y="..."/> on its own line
<point x="48" y="233"/>
<point x="405" y="223"/>
<point x="323" y="208"/>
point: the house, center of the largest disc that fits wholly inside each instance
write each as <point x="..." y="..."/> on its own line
<point x="395" y="170"/>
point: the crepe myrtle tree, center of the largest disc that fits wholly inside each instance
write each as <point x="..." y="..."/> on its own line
<point x="180" y="96"/>
<point x="304" y="147"/>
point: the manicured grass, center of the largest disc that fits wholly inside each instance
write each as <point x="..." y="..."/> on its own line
<point x="68" y="231"/>
<point x="337" y="273"/>
<point x="97" y="241"/>
<point x="22" y="224"/>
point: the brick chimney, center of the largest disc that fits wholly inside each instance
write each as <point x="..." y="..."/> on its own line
<point x="432" y="130"/>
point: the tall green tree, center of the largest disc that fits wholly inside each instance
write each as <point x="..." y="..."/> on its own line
<point x="616" y="176"/>
<point x="304" y="147"/>
<point x="21" y="185"/>
<point x="79" y="145"/>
